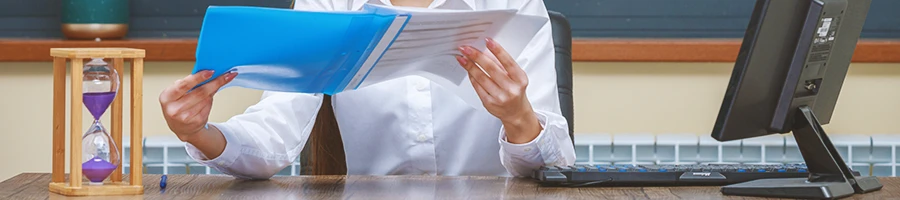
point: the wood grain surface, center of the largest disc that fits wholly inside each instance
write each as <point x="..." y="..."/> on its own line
<point x="59" y="119"/>
<point x="703" y="50"/>
<point x="137" y="124"/>
<point x="117" y="115"/>
<point x="583" y="50"/>
<point x="34" y="186"/>
<point x="22" y="50"/>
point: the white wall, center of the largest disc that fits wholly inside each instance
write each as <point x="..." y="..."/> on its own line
<point x="685" y="98"/>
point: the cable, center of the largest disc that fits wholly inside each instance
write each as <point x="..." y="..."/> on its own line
<point x="587" y="183"/>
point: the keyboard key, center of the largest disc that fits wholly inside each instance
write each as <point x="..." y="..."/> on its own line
<point x="605" y="168"/>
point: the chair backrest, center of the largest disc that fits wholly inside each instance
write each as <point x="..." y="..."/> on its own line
<point x="324" y="151"/>
<point x="562" y="41"/>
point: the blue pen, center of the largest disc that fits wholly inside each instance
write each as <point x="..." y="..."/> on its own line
<point x="162" y="182"/>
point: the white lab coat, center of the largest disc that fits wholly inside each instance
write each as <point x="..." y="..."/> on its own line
<point x="404" y="126"/>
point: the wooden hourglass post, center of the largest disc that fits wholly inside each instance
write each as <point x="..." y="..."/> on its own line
<point x="116" y="117"/>
<point x="75" y="124"/>
<point x="137" y="92"/>
<point x="75" y="57"/>
<point x="59" y="118"/>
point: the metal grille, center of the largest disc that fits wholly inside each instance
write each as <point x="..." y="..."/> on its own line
<point x="870" y="154"/>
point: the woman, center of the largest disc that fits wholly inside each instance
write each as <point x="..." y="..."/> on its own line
<point x="402" y="126"/>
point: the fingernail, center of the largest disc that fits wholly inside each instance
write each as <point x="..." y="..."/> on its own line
<point x="466" y="50"/>
<point x="462" y="61"/>
<point x="208" y="73"/>
<point x="230" y="76"/>
<point x="489" y="42"/>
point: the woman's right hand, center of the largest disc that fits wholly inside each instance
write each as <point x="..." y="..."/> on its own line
<point x="187" y="111"/>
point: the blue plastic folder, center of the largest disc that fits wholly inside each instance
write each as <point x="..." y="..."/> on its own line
<point x="292" y="50"/>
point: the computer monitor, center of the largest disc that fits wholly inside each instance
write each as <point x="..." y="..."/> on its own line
<point x="792" y="63"/>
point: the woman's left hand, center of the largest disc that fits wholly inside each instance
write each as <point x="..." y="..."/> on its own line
<point x="501" y="85"/>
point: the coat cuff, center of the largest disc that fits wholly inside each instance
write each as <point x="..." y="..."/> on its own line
<point x="228" y="156"/>
<point x="539" y="146"/>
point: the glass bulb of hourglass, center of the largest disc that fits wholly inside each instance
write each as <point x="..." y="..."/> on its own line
<point x="100" y="154"/>
<point x="100" y="85"/>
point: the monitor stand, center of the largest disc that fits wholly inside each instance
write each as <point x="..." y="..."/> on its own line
<point x="829" y="176"/>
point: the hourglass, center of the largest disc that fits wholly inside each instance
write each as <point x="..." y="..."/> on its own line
<point x="95" y="154"/>
<point x="99" y="153"/>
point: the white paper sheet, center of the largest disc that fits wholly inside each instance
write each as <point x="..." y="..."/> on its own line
<point x="428" y="44"/>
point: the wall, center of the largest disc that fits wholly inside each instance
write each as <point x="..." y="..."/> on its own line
<point x="692" y="18"/>
<point x="609" y="97"/>
<point x="589" y="18"/>
<point x="685" y="98"/>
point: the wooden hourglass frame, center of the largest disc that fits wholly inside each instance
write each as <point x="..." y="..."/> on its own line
<point x="76" y="57"/>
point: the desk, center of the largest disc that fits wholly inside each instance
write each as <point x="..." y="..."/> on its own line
<point x="34" y="186"/>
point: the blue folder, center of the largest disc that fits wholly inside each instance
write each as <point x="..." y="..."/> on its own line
<point x="292" y="50"/>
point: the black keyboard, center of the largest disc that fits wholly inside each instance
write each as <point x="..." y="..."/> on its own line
<point x="664" y="175"/>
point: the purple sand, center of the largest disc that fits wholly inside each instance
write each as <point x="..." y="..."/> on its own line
<point x="96" y="169"/>
<point x="97" y="102"/>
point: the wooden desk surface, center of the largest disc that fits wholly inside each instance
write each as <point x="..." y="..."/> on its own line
<point x="34" y="186"/>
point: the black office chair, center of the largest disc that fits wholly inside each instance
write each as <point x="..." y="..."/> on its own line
<point x="324" y="151"/>
<point x="562" y="41"/>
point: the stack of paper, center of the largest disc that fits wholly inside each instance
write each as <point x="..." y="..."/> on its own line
<point x="329" y="52"/>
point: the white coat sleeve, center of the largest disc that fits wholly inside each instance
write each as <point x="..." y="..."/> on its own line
<point x="266" y="138"/>
<point x="269" y="135"/>
<point x="552" y="146"/>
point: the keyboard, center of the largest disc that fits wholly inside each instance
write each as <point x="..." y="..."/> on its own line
<point x="664" y="175"/>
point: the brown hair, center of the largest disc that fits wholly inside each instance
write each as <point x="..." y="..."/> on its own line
<point x="323" y="153"/>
